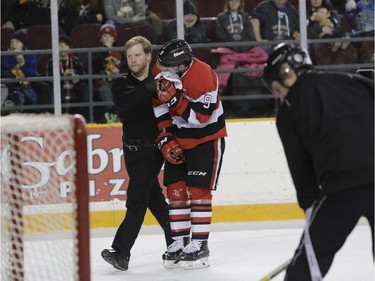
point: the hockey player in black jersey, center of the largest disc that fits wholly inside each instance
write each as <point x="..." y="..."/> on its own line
<point x="326" y="125"/>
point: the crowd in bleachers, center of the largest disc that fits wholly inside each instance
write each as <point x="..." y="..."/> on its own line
<point x="259" y="22"/>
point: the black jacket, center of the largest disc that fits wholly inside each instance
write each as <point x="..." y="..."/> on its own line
<point x="326" y="125"/>
<point x="226" y="29"/>
<point x="275" y="23"/>
<point x="134" y="101"/>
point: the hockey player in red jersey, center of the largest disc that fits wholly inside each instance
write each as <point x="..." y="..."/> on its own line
<point x="191" y="137"/>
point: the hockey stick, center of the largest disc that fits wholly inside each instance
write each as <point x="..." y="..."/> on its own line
<point x="276" y="271"/>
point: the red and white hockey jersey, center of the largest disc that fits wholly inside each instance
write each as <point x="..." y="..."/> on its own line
<point x="199" y="116"/>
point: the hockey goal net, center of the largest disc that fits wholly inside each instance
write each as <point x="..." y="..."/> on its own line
<point x="44" y="198"/>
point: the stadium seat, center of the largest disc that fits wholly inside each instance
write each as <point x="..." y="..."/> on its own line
<point x="42" y="63"/>
<point x="127" y="31"/>
<point x="295" y="3"/>
<point x="324" y="55"/>
<point x="209" y="8"/>
<point x="205" y="54"/>
<point x="345" y="25"/>
<point x="6" y="33"/>
<point x="40" y="37"/>
<point x="366" y="52"/>
<point x="165" y="9"/>
<point x="163" y="36"/>
<point x="85" y="36"/>
<point x="250" y="5"/>
<point x="211" y="31"/>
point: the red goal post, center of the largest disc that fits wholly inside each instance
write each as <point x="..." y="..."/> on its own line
<point x="44" y="198"/>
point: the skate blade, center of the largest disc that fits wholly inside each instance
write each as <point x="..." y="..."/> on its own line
<point x="198" y="264"/>
<point x="171" y="264"/>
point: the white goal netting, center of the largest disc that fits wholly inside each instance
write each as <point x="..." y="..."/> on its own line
<point x="39" y="198"/>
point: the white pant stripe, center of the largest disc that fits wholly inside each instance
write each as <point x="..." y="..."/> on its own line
<point x="179" y="212"/>
<point x="315" y="273"/>
<point x="201" y="214"/>
<point x="200" y="228"/>
<point x="180" y="225"/>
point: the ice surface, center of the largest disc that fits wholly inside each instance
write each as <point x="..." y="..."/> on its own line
<point x="239" y="252"/>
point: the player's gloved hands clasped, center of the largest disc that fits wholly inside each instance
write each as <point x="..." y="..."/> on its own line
<point x="167" y="93"/>
<point x="170" y="149"/>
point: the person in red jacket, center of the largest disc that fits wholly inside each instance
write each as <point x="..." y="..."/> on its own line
<point x="192" y="128"/>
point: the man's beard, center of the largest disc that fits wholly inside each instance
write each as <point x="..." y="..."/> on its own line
<point x="138" y="71"/>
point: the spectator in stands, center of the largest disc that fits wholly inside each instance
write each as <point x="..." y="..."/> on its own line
<point x="194" y="30"/>
<point x="316" y="29"/>
<point x="339" y="6"/>
<point x="74" y="12"/>
<point x="275" y="20"/>
<point x="74" y="89"/>
<point x="27" y="13"/>
<point x="8" y="9"/>
<point x="153" y="18"/>
<point x="359" y="18"/>
<point x="233" y="24"/>
<point x="365" y="17"/>
<point x="125" y="11"/>
<point x="349" y="16"/>
<point x="19" y="66"/>
<point x="108" y="62"/>
<point x="128" y="11"/>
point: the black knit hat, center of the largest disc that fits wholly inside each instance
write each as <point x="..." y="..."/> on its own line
<point x="190" y="8"/>
<point x="21" y="36"/>
<point x="63" y="38"/>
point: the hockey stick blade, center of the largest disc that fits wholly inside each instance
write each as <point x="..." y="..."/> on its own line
<point x="276" y="271"/>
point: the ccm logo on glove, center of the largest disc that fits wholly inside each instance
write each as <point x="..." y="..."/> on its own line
<point x="167" y="93"/>
<point x="171" y="149"/>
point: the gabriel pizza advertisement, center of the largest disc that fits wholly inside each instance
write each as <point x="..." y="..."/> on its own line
<point x="42" y="166"/>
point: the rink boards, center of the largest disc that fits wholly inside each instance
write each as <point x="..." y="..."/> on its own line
<point x="254" y="183"/>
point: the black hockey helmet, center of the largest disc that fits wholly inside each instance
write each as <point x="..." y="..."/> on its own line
<point x="283" y="58"/>
<point x="174" y="53"/>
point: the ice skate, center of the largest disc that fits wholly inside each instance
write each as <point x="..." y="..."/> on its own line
<point x="171" y="256"/>
<point x="195" y="255"/>
<point x="115" y="259"/>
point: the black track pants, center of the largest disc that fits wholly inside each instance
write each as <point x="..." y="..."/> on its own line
<point x="333" y="219"/>
<point x="143" y="192"/>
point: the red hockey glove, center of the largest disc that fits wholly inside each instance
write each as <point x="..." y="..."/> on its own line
<point x="167" y="93"/>
<point x="170" y="149"/>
